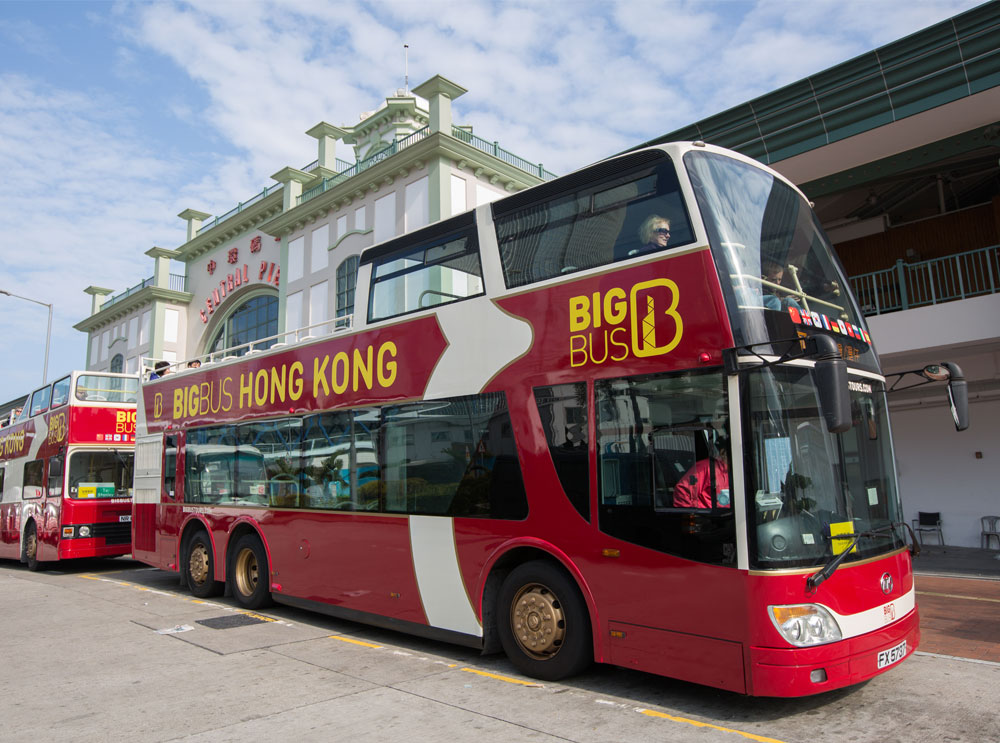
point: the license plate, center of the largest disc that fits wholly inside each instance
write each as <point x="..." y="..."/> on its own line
<point x="128" y="519"/>
<point x="892" y="655"/>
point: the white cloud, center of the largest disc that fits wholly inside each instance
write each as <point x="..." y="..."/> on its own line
<point x="90" y="183"/>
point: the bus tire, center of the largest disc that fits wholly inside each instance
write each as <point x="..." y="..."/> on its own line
<point x="543" y="622"/>
<point x="249" y="576"/>
<point x="199" y="567"/>
<point x="30" y="556"/>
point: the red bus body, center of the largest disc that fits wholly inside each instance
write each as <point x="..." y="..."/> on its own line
<point x="55" y="509"/>
<point x="647" y="609"/>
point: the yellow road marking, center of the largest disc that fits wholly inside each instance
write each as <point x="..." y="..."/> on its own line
<point x="354" y="642"/>
<point x="508" y="679"/>
<point x="696" y="723"/>
<point x="957" y="596"/>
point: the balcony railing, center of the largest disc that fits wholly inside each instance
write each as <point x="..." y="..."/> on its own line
<point x="263" y="194"/>
<point x="361" y="165"/>
<point x="177" y="283"/>
<point x="492" y="148"/>
<point x="907" y="285"/>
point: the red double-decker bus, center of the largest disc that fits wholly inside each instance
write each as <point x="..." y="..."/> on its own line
<point x="66" y="470"/>
<point x="631" y="415"/>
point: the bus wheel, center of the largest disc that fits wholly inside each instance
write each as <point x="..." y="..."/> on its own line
<point x="31" y="548"/>
<point x="199" y="567"/>
<point x="543" y="622"/>
<point x="249" y="574"/>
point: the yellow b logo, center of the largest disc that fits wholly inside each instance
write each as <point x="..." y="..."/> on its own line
<point x="157" y="405"/>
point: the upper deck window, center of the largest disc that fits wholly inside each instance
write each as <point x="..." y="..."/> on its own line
<point x="598" y="216"/>
<point x="98" y="388"/>
<point x="441" y="269"/>
<point x="40" y="400"/>
<point x="60" y="392"/>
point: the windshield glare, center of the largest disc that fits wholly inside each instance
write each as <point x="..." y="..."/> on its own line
<point x="806" y="485"/>
<point x="777" y="268"/>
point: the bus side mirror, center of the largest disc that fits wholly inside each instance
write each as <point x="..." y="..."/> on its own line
<point x="831" y="385"/>
<point x="958" y="390"/>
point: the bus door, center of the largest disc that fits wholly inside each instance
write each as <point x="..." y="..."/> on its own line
<point x="10" y="515"/>
<point x="50" y="506"/>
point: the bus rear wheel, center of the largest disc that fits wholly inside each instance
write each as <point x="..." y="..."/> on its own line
<point x="249" y="574"/>
<point x="199" y="567"/>
<point x="31" y="548"/>
<point x="543" y="622"/>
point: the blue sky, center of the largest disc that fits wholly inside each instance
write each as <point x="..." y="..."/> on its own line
<point x="116" y="116"/>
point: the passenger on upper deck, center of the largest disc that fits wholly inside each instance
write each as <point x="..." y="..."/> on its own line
<point x="774" y="298"/>
<point x="654" y="234"/>
<point x="161" y="369"/>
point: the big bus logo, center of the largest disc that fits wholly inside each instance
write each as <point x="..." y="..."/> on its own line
<point x="57" y="429"/>
<point x="616" y="324"/>
<point x="157" y="404"/>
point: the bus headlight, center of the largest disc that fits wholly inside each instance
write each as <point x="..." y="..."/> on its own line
<point x="805" y="624"/>
<point x="84" y="531"/>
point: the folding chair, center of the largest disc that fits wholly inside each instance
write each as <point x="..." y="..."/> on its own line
<point x="930" y="523"/>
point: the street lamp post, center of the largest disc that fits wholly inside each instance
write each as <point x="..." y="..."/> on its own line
<point x="48" y="332"/>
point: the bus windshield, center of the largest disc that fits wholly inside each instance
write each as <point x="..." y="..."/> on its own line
<point x="806" y="485"/>
<point x="777" y="266"/>
<point x="101" y="474"/>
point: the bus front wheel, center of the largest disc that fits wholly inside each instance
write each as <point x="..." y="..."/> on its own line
<point x="199" y="567"/>
<point x="249" y="573"/>
<point x="543" y="622"/>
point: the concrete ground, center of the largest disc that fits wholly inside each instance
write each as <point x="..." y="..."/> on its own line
<point x="109" y="651"/>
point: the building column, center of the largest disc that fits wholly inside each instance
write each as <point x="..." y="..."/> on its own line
<point x="161" y="265"/>
<point x="97" y="296"/>
<point x="194" y="221"/>
<point x="326" y="136"/>
<point x="440" y="92"/>
<point x="292" y="180"/>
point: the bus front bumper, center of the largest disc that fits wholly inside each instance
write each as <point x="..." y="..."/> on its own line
<point x="795" y="672"/>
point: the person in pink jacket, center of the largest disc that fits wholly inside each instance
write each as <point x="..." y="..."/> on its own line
<point x="694" y="489"/>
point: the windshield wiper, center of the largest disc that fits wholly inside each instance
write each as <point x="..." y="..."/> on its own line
<point x="814" y="580"/>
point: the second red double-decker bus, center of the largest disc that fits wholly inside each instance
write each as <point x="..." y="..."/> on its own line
<point x="631" y="415"/>
<point x="66" y="470"/>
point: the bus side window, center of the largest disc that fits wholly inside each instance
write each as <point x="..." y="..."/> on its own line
<point x="56" y="476"/>
<point x="33" y="479"/>
<point x="169" y="466"/>
<point x="3" y="471"/>
<point x="563" y="410"/>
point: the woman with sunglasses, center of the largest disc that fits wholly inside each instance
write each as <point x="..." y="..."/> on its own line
<point x="654" y="233"/>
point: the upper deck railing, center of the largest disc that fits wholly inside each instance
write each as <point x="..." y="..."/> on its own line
<point x="961" y="276"/>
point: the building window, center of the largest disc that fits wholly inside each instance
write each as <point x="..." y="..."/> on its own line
<point x="254" y="319"/>
<point x="117" y="364"/>
<point x="347" y="276"/>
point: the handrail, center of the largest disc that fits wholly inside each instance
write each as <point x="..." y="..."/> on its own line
<point x="361" y="165"/>
<point x="493" y="148"/>
<point x="906" y="285"/>
<point x="268" y="190"/>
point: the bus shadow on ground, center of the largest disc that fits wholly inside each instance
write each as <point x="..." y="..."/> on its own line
<point x="619" y="685"/>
